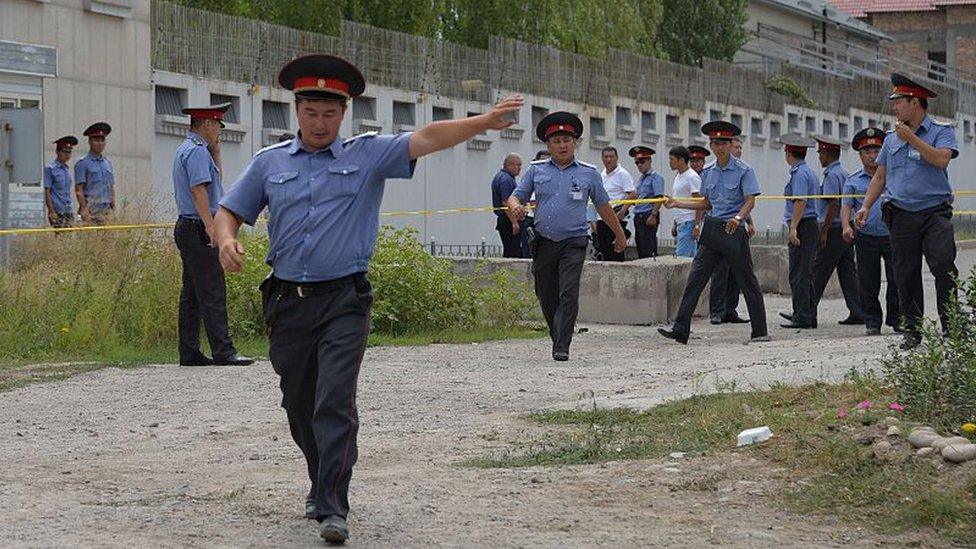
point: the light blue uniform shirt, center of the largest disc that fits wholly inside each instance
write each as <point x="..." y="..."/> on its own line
<point x="57" y="177"/>
<point x="192" y="166"/>
<point x="912" y="183"/>
<point x="803" y="182"/>
<point x="726" y="187"/>
<point x="324" y="206"/>
<point x="650" y="185"/>
<point x="858" y="183"/>
<point x="561" y="196"/>
<point x="833" y="183"/>
<point x="97" y="176"/>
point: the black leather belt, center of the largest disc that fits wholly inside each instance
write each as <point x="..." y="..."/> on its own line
<point x="309" y="289"/>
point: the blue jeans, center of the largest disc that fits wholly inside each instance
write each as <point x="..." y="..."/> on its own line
<point x="685" y="246"/>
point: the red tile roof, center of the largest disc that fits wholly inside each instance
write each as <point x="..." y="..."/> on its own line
<point x="860" y="8"/>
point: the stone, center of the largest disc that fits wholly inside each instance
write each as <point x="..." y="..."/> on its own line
<point x="921" y="438"/>
<point x="866" y="438"/>
<point x="677" y="455"/>
<point x="881" y="449"/>
<point x="754" y="435"/>
<point x="891" y="421"/>
<point x="948" y="441"/>
<point x="923" y="452"/>
<point x="959" y="453"/>
<point x="894" y="431"/>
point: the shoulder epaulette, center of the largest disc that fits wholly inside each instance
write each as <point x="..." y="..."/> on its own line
<point x="947" y="123"/>
<point x="540" y="161"/>
<point x="360" y="136"/>
<point x="587" y="164"/>
<point x="197" y="141"/>
<point x="275" y="146"/>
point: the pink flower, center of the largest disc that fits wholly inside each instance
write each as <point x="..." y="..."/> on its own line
<point x="864" y="405"/>
<point x="841" y="414"/>
<point x="898" y="407"/>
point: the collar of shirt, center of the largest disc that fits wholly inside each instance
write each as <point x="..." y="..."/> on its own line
<point x="552" y="163"/>
<point x="605" y="174"/>
<point x="924" y="126"/>
<point x="57" y="164"/>
<point x="730" y="165"/>
<point x="796" y="166"/>
<point x="194" y="136"/>
<point x="831" y="166"/>
<point x="297" y="145"/>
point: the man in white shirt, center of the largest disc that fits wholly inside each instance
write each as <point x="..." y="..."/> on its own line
<point x="619" y="186"/>
<point x="687" y="183"/>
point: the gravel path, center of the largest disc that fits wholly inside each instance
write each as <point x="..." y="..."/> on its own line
<point x="166" y="456"/>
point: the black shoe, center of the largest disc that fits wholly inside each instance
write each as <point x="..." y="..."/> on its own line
<point x="851" y="321"/>
<point x="898" y="329"/>
<point x="560" y="356"/>
<point x="794" y="325"/>
<point x="787" y="316"/>
<point x="671" y="334"/>
<point x="716" y="320"/>
<point x="199" y="360"/>
<point x="236" y="360"/>
<point x="311" y="509"/>
<point x="873" y="330"/>
<point x="334" y="529"/>
<point x="735" y="319"/>
<point x="911" y="341"/>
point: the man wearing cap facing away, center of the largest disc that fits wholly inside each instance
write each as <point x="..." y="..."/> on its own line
<point x="801" y="218"/>
<point x="647" y="217"/>
<point x="323" y="194"/>
<point x="912" y="170"/>
<point x="833" y="253"/>
<point x="197" y="187"/>
<point x="57" y="184"/>
<point x="871" y="241"/>
<point x="562" y="185"/>
<point x="729" y="188"/>
<point x="95" y="177"/>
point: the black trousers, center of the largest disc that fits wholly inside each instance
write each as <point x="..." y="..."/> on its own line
<point x="511" y="243"/>
<point x="316" y="346"/>
<point x="714" y="246"/>
<point x="925" y="233"/>
<point x="645" y="237"/>
<point x="837" y="255"/>
<point x="557" y="268"/>
<point x="801" y="273"/>
<point x="204" y="293"/>
<point x="605" y="238"/>
<point x="870" y="251"/>
<point x="723" y="294"/>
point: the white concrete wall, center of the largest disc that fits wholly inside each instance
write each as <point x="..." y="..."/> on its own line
<point x="103" y="75"/>
<point x="461" y="177"/>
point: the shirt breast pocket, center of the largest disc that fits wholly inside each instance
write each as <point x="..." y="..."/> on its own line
<point x="543" y="184"/>
<point x="579" y="189"/>
<point x="344" y="180"/>
<point x="282" y="184"/>
<point x="730" y="191"/>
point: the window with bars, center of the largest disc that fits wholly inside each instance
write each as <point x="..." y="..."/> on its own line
<point x="793" y="122"/>
<point x="404" y="114"/>
<point x="170" y="100"/>
<point x="715" y="115"/>
<point x="737" y="120"/>
<point x="442" y="113"/>
<point x="623" y="116"/>
<point x="828" y="127"/>
<point x="858" y="123"/>
<point x="811" y="125"/>
<point x="774" y="130"/>
<point x="274" y="114"/>
<point x="757" y="126"/>
<point x="842" y="128"/>
<point x="364" y="108"/>
<point x="671" y="124"/>
<point x="538" y="113"/>
<point x="598" y="126"/>
<point x="648" y="121"/>
<point x="694" y="127"/>
<point x="233" y="113"/>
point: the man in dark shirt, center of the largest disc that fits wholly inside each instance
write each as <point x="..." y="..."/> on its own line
<point x="502" y="186"/>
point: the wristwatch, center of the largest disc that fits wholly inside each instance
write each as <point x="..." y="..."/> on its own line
<point x="738" y="218"/>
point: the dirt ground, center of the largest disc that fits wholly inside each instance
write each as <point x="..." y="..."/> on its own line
<point x="167" y="456"/>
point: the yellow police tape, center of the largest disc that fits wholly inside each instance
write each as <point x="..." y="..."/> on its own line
<point x="128" y="227"/>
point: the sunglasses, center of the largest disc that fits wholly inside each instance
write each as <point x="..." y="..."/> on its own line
<point x="64" y="150"/>
<point x="642" y="160"/>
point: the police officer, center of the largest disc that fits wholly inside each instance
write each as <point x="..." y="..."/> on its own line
<point x="95" y="178"/>
<point x="801" y="218"/>
<point x="510" y="229"/>
<point x="698" y="155"/>
<point x="197" y="188"/>
<point x="832" y="251"/>
<point x="57" y="183"/>
<point x="723" y="293"/>
<point x="871" y="241"/>
<point x="912" y="168"/>
<point x="729" y="188"/>
<point x="323" y="194"/>
<point x="562" y="185"/>
<point x="647" y="217"/>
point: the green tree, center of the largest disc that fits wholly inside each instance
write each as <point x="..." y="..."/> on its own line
<point x="693" y="29"/>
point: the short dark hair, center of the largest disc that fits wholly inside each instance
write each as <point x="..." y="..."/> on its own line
<point x="542" y="154"/>
<point x="196" y="123"/>
<point x="924" y="102"/>
<point x="680" y="152"/>
<point x="798" y="154"/>
<point x="609" y="149"/>
<point x="833" y="153"/>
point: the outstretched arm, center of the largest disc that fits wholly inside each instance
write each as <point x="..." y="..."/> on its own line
<point x="441" y="135"/>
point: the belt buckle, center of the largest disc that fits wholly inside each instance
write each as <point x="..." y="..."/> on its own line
<point x="301" y="291"/>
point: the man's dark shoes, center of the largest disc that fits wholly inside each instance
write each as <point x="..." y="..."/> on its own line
<point x="671" y="334"/>
<point x="794" y="325"/>
<point x="873" y="330"/>
<point x="735" y="319"/>
<point x="560" y="356"/>
<point x="199" y="360"/>
<point x="851" y="321"/>
<point x="236" y="360"/>
<point x="716" y="320"/>
<point x="334" y="529"/>
<point x="787" y="316"/>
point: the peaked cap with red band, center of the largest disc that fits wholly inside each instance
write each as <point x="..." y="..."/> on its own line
<point x="66" y="142"/>
<point x="795" y="142"/>
<point x="559" y="122"/>
<point x="868" y="137"/>
<point x="641" y="151"/>
<point x="320" y="76"/>
<point x="825" y="143"/>
<point x="697" y="151"/>
<point x="906" y="87"/>
<point x="210" y="112"/>
<point x="720" y="129"/>
<point x="98" y="129"/>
